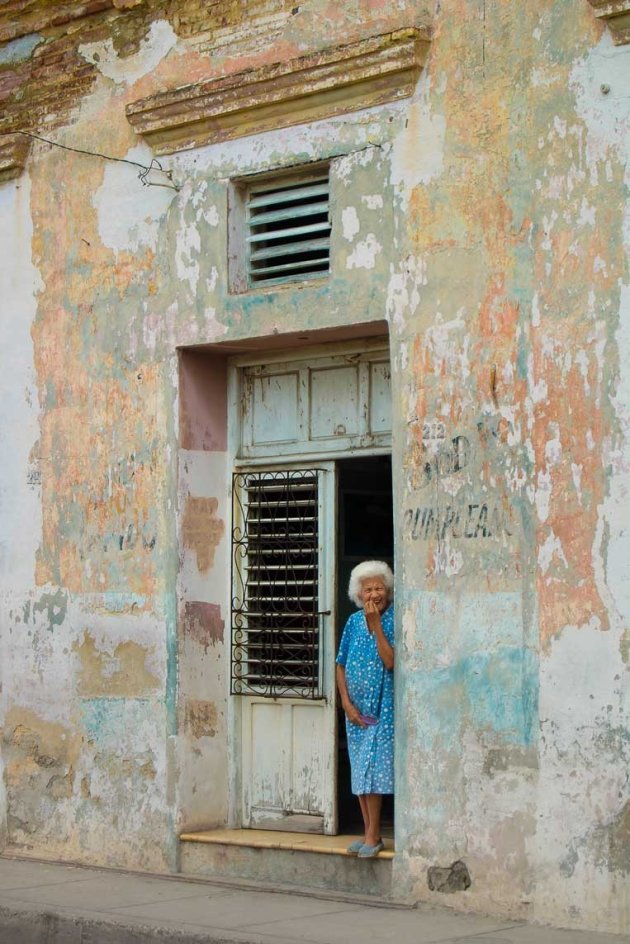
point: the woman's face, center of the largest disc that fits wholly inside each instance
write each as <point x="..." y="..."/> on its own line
<point x="374" y="590"/>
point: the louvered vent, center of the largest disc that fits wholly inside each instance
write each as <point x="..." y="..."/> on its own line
<point x="288" y="230"/>
<point x="275" y="618"/>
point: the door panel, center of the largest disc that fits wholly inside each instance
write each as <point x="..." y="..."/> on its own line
<point x="286" y="765"/>
<point x="325" y="404"/>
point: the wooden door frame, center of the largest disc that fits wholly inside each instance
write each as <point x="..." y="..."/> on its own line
<point x="297" y="460"/>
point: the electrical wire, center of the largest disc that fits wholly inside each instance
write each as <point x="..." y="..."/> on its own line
<point x="145" y="169"/>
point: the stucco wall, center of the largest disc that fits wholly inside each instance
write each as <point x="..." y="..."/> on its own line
<point x="514" y="686"/>
<point x="485" y="220"/>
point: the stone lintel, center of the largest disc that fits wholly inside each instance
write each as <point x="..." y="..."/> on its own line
<point x="617" y="14"/>
<point x="318" y="85"/>
<point x="14" y="149"/>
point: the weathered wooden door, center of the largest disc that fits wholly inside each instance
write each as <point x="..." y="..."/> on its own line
<point x="282" y="646"/>
<point x="292" y="419"/>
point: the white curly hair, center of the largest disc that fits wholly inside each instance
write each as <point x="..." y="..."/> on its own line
<point x="366" y="571"/>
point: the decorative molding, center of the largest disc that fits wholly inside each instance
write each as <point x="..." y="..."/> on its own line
<point x="617" y="14"/>
<point x="18" y="18"/>
<point x="14" y="150"/>
<point x="331" y="82"/>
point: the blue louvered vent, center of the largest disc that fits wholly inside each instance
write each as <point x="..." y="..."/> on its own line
<point x="289" y="230"/>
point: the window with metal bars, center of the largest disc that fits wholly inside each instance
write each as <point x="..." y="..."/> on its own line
<point x="288" y="229"/>
<point x="276" y="623"/>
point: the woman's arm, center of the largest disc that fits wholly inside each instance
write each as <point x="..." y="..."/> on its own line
<point x="373" y="620"/>
<point x="352" y="714"/>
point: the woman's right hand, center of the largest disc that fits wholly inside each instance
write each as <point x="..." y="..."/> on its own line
<point x="354" y="715"/>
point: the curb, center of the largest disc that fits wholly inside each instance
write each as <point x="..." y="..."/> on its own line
<point x="29" y="926"/>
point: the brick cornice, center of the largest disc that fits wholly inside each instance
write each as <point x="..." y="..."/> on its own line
<point x="14" y="149"/>
<point x="617" y="14"/>
<point x="318" y="85"/>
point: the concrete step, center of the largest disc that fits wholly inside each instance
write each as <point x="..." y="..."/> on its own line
<point x="286" y="859"/>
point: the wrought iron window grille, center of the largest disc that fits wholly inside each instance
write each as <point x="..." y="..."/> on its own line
<point x="276" y="624"/>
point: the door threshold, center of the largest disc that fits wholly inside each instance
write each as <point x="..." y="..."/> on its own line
<point x="275" y="839"/>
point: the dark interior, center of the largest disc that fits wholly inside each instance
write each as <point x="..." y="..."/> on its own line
<point x="365" y="532"/>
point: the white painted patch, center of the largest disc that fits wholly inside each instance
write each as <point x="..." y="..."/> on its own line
<point x="345" y="166"/>
<point x="418" y="152"/>
<point x="535" y="311"/>
<point x="543" y="494"/>
<point x="447" y="560"/>
<point x="607" y="117"/>
<point x="561" y="127"/>
<point x="584" y="704"/>
<point x="365" y="253"/>
<point x="159" y="41"/>
<point x="537" y="388"/>
<point x="403" y="290"/>
<point x="211" y="283"/>
<point x="373" y="201"/>
<point x="20" y="472"/>
<point x="349" y="223"/>
<point x="552" y="547"/>
<point x="187" y="249"/>
<point x="129" y="214"/>
<point x="587" y="214"/>
<point x="211" y="216"/>
<point x="581" y="359"/>
<point x="553" y="446"/>
<point x="576" y="475"/>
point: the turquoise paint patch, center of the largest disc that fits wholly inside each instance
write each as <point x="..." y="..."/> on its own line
<point x="102" y="717"/>
<point x="493" y="692"/>
<point x="108" y="721"/>
<point x="502" y="690"/>
<point x="18" y="50"/>
<point x="171" y="664"/>
<point x="483" y="626"/>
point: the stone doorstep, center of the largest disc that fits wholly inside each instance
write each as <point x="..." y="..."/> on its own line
<point x="277" y="839"/>
<point x="289" y="862"/>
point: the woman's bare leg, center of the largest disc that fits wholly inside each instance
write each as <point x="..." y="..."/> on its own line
<point x="365" y="813"/>
<point x="374" y="802"/>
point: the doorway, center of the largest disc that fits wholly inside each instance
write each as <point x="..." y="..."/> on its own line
<point x="365" y="531"/>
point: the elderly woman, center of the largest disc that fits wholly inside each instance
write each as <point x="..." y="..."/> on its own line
<point x="365" y="680"/>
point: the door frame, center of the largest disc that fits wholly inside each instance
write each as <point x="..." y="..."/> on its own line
<point x="324" y="458"/>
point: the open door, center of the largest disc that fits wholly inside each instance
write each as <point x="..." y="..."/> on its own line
<point x="283" y="646"/>
<point x="294" y="419"/>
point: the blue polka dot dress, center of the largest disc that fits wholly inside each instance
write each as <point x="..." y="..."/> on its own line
<point x="371" y="690"/>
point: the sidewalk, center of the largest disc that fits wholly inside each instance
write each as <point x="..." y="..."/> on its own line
<point x="43" y="903"/>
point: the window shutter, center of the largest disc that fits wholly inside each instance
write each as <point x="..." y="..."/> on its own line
<point x="275" y="578"/>
<point x="288" y="228"/>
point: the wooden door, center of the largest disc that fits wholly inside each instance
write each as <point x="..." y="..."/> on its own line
<point x="283" y="645"/>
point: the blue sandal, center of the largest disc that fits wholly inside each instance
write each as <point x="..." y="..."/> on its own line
<point x="370" y="852"/>
<point x="355" y="847"/>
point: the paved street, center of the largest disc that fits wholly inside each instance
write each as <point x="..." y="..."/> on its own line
<point x="43" y="903"/>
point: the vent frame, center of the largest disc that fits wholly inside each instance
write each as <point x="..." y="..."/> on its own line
<point x="280" y="230"/>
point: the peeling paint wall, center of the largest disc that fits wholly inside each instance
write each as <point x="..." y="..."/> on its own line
<point x="484" y="218"/>
<point x="507" y="308"/>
